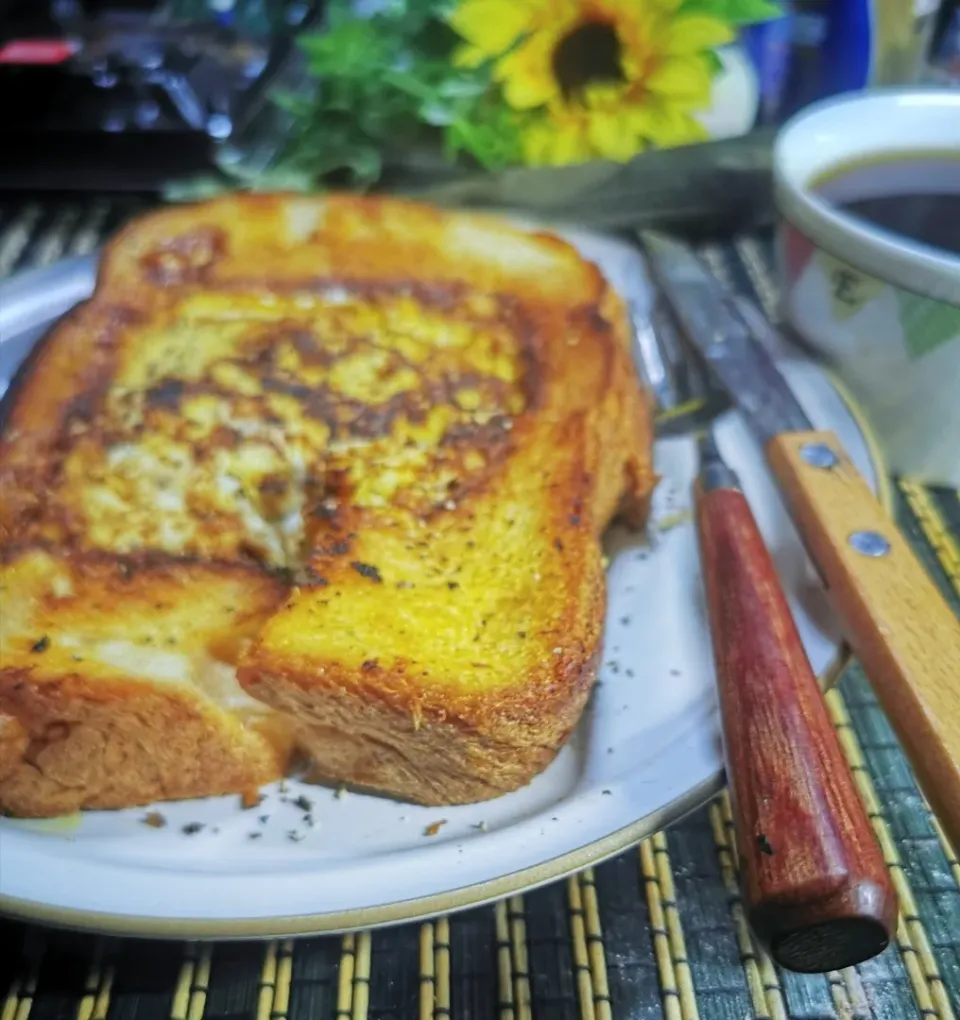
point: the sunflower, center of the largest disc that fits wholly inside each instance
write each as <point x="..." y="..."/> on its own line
<point x="603" y="78"/>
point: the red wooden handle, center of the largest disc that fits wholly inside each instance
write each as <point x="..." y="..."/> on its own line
<point x="814" y="881"/>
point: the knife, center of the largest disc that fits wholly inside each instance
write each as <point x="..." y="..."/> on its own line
<point x="815" y="886"/>
<point x="895" y="618"/>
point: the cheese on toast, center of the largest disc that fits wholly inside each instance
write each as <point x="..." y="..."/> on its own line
<point x="372" y="446"/>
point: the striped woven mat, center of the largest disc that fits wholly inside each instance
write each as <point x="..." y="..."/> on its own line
<point x="658" y="931"/>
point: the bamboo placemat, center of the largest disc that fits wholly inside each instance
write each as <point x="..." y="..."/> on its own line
<point x="658" y="931"/>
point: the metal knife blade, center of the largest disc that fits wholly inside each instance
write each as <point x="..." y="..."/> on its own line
<point x="710" y="320"/>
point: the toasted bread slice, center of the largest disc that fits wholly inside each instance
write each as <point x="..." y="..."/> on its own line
<point x="425" y="419"/>
<point x="118" y="682"/>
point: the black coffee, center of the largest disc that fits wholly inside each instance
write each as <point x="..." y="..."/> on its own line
<point x="916" y="196"/>
<point x="933" y="219"/>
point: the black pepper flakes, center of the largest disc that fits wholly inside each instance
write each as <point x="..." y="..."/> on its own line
<point x="574" y="519"/>
<point x="192" y="828"/>
<point x="303" y="803"/>
<point x="521" y="634"/>
<point x="40" y="645"/>
<point x="453" y="585"/>
<point x="763" y="844"/>
<point x="369" y="665"/>
<point x="625" y="620"/>
<point x="558" y="544"/>
<point x="339" y="548"/>
<point x="254" y="835"/>
<point x="367" y="570"/>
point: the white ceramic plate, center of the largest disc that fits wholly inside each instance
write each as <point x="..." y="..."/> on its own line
<point x="647" y="749"/>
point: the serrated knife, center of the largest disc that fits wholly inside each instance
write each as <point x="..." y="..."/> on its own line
<point x="895" y="618"/>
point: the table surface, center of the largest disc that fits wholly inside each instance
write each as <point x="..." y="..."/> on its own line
<point x="658" y="931"/>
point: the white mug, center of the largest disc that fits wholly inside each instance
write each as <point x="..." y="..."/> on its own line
<point x="883" y="308"/>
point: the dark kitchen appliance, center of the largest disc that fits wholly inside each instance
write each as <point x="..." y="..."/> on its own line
<point x="111" y="96"/>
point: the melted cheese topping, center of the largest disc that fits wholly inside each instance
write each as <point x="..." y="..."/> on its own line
<point x="237" y="414"/>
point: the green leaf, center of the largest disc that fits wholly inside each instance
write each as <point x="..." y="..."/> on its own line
<point x="714" y="63"/>
<point x="736" y="12"/>
<point x="196" y="189"/>
<point x="292" y="102"/>
<point x="386" y="81"/>
<point x="462" y="88"/>
<point x="436" y="113"/>
<point x="353" y="49"/>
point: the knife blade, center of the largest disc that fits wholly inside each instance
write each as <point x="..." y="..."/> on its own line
<point x="892" y="613"/>
<point x="710" y="320"/>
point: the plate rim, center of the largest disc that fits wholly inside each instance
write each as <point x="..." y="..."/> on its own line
<point x="462" y="897"/>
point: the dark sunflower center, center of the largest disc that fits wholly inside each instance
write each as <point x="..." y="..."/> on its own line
<point x="589" y="54"/>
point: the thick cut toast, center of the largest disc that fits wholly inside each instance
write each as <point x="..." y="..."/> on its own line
<point x="118" y="682"/>
<point x="422" y="420"/>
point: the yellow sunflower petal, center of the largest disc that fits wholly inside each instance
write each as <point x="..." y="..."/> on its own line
<point x="685" y="78"/>
<point x="612" y="137"/>
<point x="659" y="6"/>
<point x="492" y="26"/>
<point x="527" y="73"/>
<point x="666" y="75"/>
<point x="666" y="125"/>
<point x="555" y="141"/>
<point x="694" y="33"/>
<point x="469" y="56"/>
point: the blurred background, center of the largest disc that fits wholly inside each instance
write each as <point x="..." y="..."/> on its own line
<point x="129" y="96"/>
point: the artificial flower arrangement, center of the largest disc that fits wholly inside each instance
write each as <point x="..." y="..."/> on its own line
<point x="506" y="83"/>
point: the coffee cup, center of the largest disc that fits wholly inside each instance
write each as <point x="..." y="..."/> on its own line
<point x="867" y="188"/>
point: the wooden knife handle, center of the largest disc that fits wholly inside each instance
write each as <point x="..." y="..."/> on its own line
<point x="895" y="618"/>
<point x="815" y="885"/>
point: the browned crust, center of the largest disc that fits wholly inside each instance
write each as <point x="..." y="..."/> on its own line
<point x="369" y="743"/>
<point x="116" y="744"/>
<point x="379" y="728"/>
<point x="77" y="733"/>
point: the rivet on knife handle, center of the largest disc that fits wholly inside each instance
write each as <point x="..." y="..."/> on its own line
<point x="897" y="621"/>
<point x="815" y="885"/>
